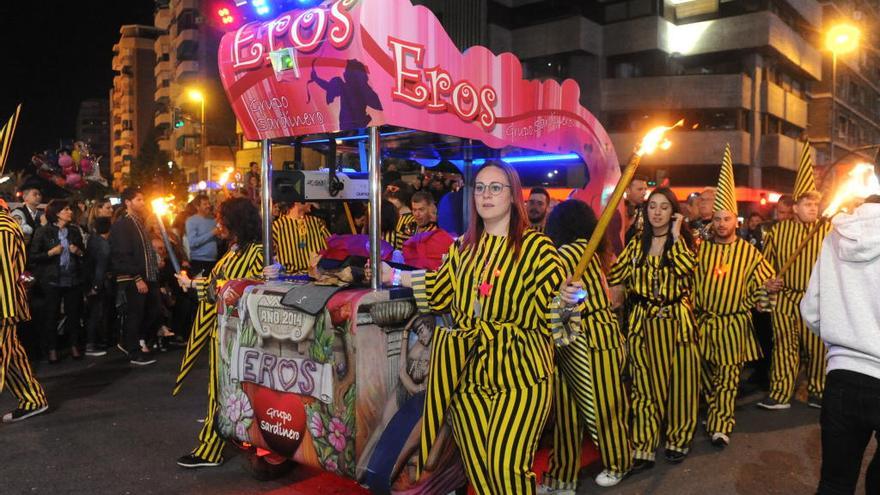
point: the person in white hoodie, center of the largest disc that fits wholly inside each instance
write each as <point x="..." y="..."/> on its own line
<point x="842" y="307"/>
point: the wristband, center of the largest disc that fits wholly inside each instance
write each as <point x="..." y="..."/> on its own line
<point x="395" y="277"/>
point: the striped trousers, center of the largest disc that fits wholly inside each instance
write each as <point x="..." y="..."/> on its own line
<point x="497" y="433"/>
<point x="210" y="443"/>
<point x="720" y="385"/>
<point x="791" y="338"/>
<point x="665" y="371"/>
<point x="611" y="404"/>
<point x="15" y="370"/>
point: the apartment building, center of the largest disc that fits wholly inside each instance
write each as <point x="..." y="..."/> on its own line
<point x="93" y="126"/>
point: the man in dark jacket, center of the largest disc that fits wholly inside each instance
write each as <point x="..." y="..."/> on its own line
<point x="100" y="286"/>
<point x="136" y="267"/>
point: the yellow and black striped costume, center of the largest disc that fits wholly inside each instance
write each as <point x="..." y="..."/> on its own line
<point x="235" y="264"/>
<point x="790" y="336"/>
<point x="406" y="227"/>
<point x="15" y="370"/>
<point x="728" y="282"/>
<point x="662" y="346"/>
<point x="601" y="346"/>
<point x="295" y="240"/>
<point x="493" y="370"/>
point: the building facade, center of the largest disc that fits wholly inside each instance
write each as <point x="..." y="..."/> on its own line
<point x="131" y="98"/>
<point x="186" y="62"/>
<point x="93" y="128"/>
<point x="738" y="71"/>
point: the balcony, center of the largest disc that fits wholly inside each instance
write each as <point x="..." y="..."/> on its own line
<point x="689" y="147"/>
<point x="783" y="104"/>
<point x="744" y="32"/>
<point x="186" y="5"/>
<point x="166" y="145"/>
<point x="186" y="35"/>
<point x="559" y="36"/>
<point x="162" y="92"/>
<point x="162" y="119"/>
<point x="186" y="69"/>
<point x="672" y="92"/>
<point x="163" y="66"/>
<point x="778" y="150"/>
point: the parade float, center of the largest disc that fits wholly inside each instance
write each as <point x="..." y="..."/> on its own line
<point x="328" y="376"/>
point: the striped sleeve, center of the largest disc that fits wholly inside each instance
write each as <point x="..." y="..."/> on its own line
<point x="547" y="279"/>
<point x="683" y="260"/>
<point x="622" y="269"/>
<point x="7" y="275"/>
<point x="770" y="247"/>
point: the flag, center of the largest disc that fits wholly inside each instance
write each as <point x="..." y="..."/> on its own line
<point x="6" y="137"/>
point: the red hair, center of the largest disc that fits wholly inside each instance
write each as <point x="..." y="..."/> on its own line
<point x="518" y="216"/>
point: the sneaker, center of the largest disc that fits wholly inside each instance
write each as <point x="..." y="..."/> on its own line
<point x="121" y="349"/>
<point x="94" y="351"/>
<point x="720" y="440"/>
<point x="814" y="401"/>
<point x="194" y="461"/>
<point x="772" y="404"/>
<point x="608" y="478"/>
<point x="674" y="456"/>
<point x="546" y="490"/>
<point x="640" y="465"/>
<point x="141" y="359"/>
<point x="21" y="414"/>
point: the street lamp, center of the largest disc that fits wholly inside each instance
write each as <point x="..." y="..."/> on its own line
<point x="840" y="39"/>
<point x="198" y="96"/>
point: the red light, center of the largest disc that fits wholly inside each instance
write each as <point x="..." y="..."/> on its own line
<point x="225" y="15"/>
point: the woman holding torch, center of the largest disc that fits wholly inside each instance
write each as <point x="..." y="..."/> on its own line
<point x="492" y="369"/>
<point x="600" y="344"/>
<point x="658" y="271"/>
<point x="239" y="225"/>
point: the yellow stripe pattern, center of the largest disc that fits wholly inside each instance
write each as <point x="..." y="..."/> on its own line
<point x="804" y="181"/>
<point x="725" y="196"/>
<point x="295" y="240"/>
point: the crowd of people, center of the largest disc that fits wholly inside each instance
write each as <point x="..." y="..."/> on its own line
<point x="666" y="314"/>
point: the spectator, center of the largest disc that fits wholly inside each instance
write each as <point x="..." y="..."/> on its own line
<point x="135" y="265"/>
<point x="785" y="208"/>
<point x="753" y="231"/>
<point x="537" y="207"/>
<point x="28" y="215"/>
<point x="841" y="307"/>
<point x="201" y="236"/>
<point x="423" y="209"/>
<point x="101" y="208"/>
<point x="56" y="252"/>
<point x="101" y="287"/>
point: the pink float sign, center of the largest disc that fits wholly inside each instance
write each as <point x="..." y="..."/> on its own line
<point x="351" y="64"/>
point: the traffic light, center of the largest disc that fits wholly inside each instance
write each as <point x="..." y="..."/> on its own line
<point x="225" y="15"/>
<point x="178" y="119"/>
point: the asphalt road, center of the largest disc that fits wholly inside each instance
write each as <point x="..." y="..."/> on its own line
<point x="116" y="429"/>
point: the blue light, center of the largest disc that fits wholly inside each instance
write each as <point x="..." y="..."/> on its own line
<point x="260" y="7"/>
<point x="357" y="137"/>
<point x="533" y="159"/>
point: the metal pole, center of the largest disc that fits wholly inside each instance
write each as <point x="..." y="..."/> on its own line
<point x="375" y="210"/>
<point x="204" y="141"/>
<point x="468" y="177"/>
<point x="833" y="92"/>
<point x="266" y="200"/>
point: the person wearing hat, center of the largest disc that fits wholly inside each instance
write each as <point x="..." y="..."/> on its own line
<point x="400" y="193"/>
<point x="791" y="337"/>
<point x="296" y="236"/>
<point x="15" y="370"/>
<point x="588" y="387"/>
<point x="729" y="279"/>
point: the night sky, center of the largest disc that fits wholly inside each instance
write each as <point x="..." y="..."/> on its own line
<point x="55" y="55"/>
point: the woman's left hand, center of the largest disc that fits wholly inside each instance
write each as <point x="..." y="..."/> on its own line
<point x="572" y="293"/>
<point x="75" y="250"/>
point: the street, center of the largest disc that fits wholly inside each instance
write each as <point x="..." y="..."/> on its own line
<point x="116" y="429"/>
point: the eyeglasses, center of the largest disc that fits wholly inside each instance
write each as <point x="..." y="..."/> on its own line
<point x="494" y="188"/>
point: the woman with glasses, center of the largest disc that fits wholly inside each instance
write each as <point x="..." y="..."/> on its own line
<point x="657" y="269"/>
<point x="598" y="401"/>
<point x="56" y="252"/>
<point x="491" y="370"/>
<point x="238" y="224"/>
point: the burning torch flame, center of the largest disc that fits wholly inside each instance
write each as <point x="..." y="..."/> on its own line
<point x="224" y="177"/>
<point x="861" y="183"/>
<point x="655" y="139"/>
<point x="160" y="206"/>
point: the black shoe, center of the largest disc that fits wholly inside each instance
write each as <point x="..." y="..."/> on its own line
<point x="640" y="465"/>
<point x="674" y="456"/>
<point x="141" y="359"/>
<point x="814" y="401"/>
<point x="194" y="461"/>
<point x="21" y="414"/>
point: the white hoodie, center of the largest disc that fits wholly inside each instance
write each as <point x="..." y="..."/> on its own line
<point x="842" y="302"/>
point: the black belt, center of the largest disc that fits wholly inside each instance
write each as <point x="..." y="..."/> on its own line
<point x="640" y="299"/>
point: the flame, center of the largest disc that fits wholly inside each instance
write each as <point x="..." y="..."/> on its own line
<point x="861" y="183"/>
<point x="654" y="139"/>
<point x="224" y="177"/>
<point x="160" y="206"/>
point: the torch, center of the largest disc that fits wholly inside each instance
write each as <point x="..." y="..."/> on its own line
<point x="653" y="139"/>
<point x="160" y="208"/>
<point x="861" y="183"/>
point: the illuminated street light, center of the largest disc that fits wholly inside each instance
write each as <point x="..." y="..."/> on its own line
<point x="839" y="40"/>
